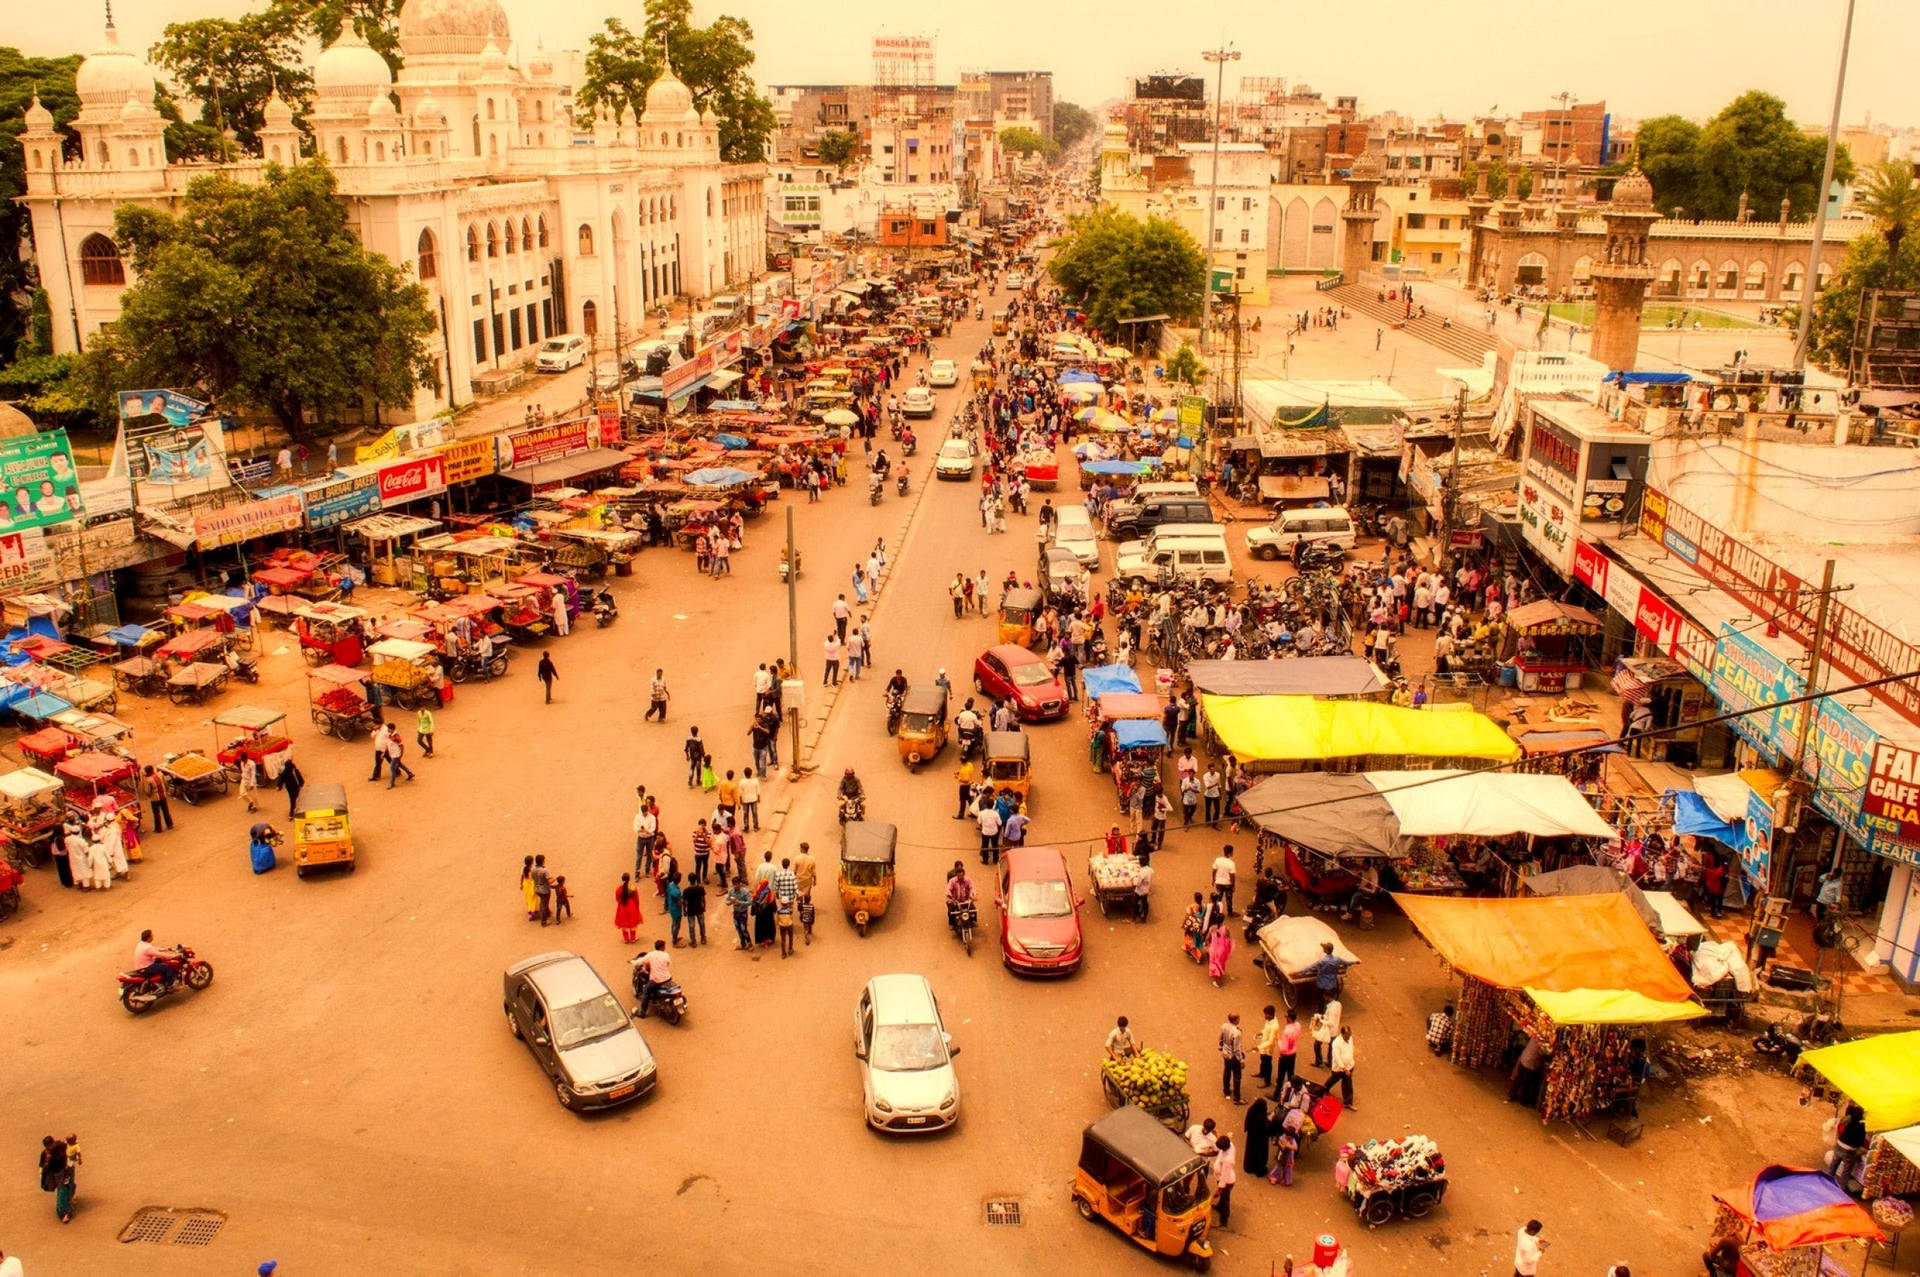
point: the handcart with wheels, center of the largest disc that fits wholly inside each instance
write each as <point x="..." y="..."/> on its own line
<point x="247" y="731"/>
<point x="1400" y="1177"/>
<point x="336" y="702"/>
<point x="191" y="776"/>
<point x="1113" y="879"/>
<point x="1151" y="1080"/>
<point x="410" y="672"/>
<point x="1289" y="946"/>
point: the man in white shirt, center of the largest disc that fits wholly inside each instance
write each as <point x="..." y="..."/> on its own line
<point x="657" y="963"/>
<point x="10" y="1265"/>
<point x="1526" y="1249"/>
<point x="1201" y="1136"/>
<point x="1223" y="875"/>
<point x="1340" y="1066"/>
<point x="645" y="827"/>
<point x="989" y="818"/>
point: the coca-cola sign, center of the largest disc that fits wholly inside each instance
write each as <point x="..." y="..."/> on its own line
<point x="408" y="480"/>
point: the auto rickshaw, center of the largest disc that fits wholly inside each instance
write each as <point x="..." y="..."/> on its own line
<point x="1148" y="1183"/>
<point x="1018" y="611"/>
<point x="1009" y="757"/>
<point x="322" y="831"/>
<point x="866" y="870"/>
<point x="923" y="724"/>
<point x="1000" y="323"/>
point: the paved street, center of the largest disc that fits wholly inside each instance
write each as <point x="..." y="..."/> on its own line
<point x="347" y="1093"/>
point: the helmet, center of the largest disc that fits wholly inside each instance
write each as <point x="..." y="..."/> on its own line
<point x="849" y="771"/>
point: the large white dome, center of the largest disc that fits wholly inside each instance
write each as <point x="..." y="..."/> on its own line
<point x="667" y="99"/>
<point x="109" y="75"/>
<point x="349" y="68"/>
<point x="451" y="26"/>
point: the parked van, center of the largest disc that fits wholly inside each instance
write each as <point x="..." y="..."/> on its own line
<point x="1176" y="551"/>
<point x="1306" y="523"/>
<point x="1073" y="531"/>
<point x="557" y="354"/>
<point x="727" y="304"/>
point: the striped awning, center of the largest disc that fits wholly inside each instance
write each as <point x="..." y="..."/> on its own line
<point x="1630" y="687"/>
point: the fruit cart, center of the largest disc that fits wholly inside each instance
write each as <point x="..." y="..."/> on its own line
<point x="330" y="633"/>
<point x="1406" y="1176"/>
<point x="91" y="777"/>
<point x="410" y="672"/>
<point x="30" y="813"/>
<point x="247" y="731"/>
<point x="336" y="703"/>
<point x="1113" y="879"/>
<point x="1151" y="1080"/>
<point x="191" y="776"/>
<point x="1289" y="945"/>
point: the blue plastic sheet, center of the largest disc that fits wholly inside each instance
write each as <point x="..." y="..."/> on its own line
<point x="1102" y="679"/>
<point x="731" y="441"/>
<point x="1691" y="815"/>
<point x="1134" y="733"/>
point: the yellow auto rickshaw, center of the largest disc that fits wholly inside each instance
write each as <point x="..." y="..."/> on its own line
<point x="1007" y="761"/>
<point x="1019" y="609"/>
<point x="322" y="830"/>
<point x="1148" y="1183"/>
<point x="1000" y="323"/>
<point x="923" y="724"/>
<point x="866" y="870"/>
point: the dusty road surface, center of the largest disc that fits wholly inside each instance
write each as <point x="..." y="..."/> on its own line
<point x="347" y="1095"/>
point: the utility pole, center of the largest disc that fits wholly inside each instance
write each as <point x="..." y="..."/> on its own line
<point x="1220" y="58"/>
<point x="1808" y="710"/>
<point x="1810" y="285"/>
<point x="793" y="645"/>
<point x="1453" y="477"/>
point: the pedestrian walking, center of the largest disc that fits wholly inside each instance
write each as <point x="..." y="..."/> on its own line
<point x="56" y="1177"/>
<point x="830" y="677"/>
<point x="856" y="655"/>
<point x="547" y="674"/>
<point x="626" y="910"/>
<point x="1219" y="949"/>
<point x="1324" y="1028"/>
<point x="562" y="900"/>
<point x="293" y="781"/>
<point x="1264" y="1044"/>
<point x="693" y="903"/>
<point x="786" y="896"/>
<point x="1340" y="1066"/>
<point x="695" y="750"/>
<point x="702" y="850"/>
<point x="1142" y="887"/>
<point x="396" y="763"/>
<point x="153" y="792"/>
<point x="526" y="889"/>
<point x="676" y="906"/>
<point x="423" y="731"/>
<point x="1286" y="1053"/>
<point x="842" y="612"/>
<point x="542" y="890"/>
<point x="1527" y="1248"/>
<point x="806" y="870"/>
<point x="1225" y="1175"/>
<point x="749" y="801"/>
<point x="657" y="697"/>
<point x="740" y="902"/>
<point x="1233" y="1057"/>
<point x="988" y="819"/>
<point x="250" y="778"/>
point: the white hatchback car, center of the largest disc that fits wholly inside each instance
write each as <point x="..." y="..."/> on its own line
<point x="917" y="402"/>
<point x="906" y="1056"/>
<point x="955" y="460"/>
<point x="943" y="372"/>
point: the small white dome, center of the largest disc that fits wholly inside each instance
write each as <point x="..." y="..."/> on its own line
<point x="493" y="60"/>
<point x="540" y="66"/>
<point x="429" y="111"/>
<point x="381" y="110"/>
<point x="109" y="75"/>
<point x="349" y="68"/>
<point x="138" y="110"/>
<point x="38" y="117"/>
<point x="278" y="114"/>
<point x="667" y="98"/>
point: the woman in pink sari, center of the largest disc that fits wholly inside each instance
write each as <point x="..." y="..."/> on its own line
<point x="1219" y="949"/>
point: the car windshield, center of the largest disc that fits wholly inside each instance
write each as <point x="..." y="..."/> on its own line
<point x="555" y="346"/>
<point x="585" y="1021"/>
<point x="1042" y="899"/>
<point x="1030" y="675"/>
<point x="956" y="451"/>
<point x="907" y="1048"/>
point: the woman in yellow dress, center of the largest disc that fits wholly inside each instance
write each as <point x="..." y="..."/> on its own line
<point x="527" y="892"/>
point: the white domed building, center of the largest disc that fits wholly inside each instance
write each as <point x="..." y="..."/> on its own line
<point x="465" y="165"/>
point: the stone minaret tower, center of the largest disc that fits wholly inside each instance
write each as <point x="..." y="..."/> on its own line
<point x="1621" y="277"/>
<point x="1356" y="231"/>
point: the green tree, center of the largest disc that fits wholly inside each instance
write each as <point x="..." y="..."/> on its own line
<point x="1184" y="367"/>
<point x="1023" y="141"/>
<point x="1496" y="178"/>
<point x="1669" y="149"/>
<point x="1117" y="267"/>
<point x="838" y="148"/>
<point x="1751" y="147"/>
<point x="261" y="294"/>
<point x="1071" y="122"/>
<point x="1868" y="264"/>
<point x="713" y="61"/>
<point x="1890" y="196"/>
<point x="377" y="21"/>
<point x="20" y="76"/>
<point x="231" y="67"/>
<point x="1523" y="185"/>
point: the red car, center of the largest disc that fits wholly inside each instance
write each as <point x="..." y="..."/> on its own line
<point x="1012" y="673"/>
<point x="1039" y="913"/>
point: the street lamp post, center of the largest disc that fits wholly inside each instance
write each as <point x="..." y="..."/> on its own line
<point x="1810" y="286"/>
<point x="1220" y="58"/>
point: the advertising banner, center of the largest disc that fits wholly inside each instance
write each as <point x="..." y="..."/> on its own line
<point x="330" y="504"/>
<point x="1756" y="839"/>
<point x="1892" y="800"/>
<point x="388" y="447"/>
<point x="411" y="479"/>
<point x="25" y="562"/>
<point x="679" y="379"/>
<point x="1193" y="410"/>
<point x="39" y="485"/>
<point x="548" y="443"/>
<point x="234" y="524"/>
<point x="468" y="459"/>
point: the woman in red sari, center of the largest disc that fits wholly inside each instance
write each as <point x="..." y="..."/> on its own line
<point x="626" y="910"/>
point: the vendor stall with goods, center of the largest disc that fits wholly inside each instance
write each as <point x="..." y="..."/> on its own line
<point x="1150" y="1080"/>
<point x="1556" y="644"/>
<point x="1301" y="733"/>
<point x="1786" y="1223"/>
<point x="1881" y="1075"/>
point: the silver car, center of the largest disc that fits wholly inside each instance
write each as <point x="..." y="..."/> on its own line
<point x="579" y="1032"/>
<point x="906" y="1056"/>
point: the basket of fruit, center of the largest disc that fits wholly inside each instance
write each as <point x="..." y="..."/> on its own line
<point x="1151" y="1080"/>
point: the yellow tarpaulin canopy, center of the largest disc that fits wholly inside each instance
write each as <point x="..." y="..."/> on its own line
<point x="1880" y="1074"/>
<point x="1300" y="728"/>
<point x="1593" y="950"/>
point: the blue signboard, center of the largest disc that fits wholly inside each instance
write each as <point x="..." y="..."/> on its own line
<point x="335" y="503"/>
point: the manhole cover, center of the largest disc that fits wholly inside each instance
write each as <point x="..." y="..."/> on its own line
<point x="1005" y="1213"/>
<point x="162" y="1225"/>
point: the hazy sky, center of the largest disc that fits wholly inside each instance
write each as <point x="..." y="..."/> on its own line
<point x="1460" y="57"/>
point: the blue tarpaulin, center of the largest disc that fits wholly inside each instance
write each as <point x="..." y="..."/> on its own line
<point x="1648" y="378"/>
<point x="718" y="477"/>
<point x="1102" y="679"/>
<point x="41" y="705"/>
<point x="10" y="693"/>
<point x="1078" y="377"/>
<point x="1691" y="815"/>
<point x="731" y="441"/>
<point x="130" y="635"/>
<point x="1115" y="467"/>
<point x="1135" y="733"/>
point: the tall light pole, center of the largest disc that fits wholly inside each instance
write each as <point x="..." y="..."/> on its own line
<point x="1220" y="58"/>
<point x="1810" y="286"/>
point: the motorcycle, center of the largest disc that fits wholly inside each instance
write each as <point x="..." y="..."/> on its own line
<point x="895" y="711"/>
<point x="900" y="482"/>
<point x="1258" y="915"/>
<point x="1309" y="555"/>
<point x="469" y="665"/>
<point x="971" y="741"/>
<point x="853" y="807"/>
<point x="1780" y="1042"/>
<point x="245" y="668"/>
<point x="873" y="489"/>
<point x="897" y="427"/>
<point x="140" y="990"/>
<point x="962" y="918"/>
<point x="669" y="999"/>
<point x="907" y="442"/>
<point x="784" y="566"/>
<point x="605" y="610"/>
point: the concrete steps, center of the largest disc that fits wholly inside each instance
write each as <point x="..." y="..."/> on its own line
<point x="1463" y="343"/>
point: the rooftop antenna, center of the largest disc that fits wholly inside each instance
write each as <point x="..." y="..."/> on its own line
<point x="109" y="15"/>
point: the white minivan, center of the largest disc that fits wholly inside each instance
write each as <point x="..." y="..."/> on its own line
<point x="1276" y="540"/>
<point x="1073" y="531"/>
<point x="557" y="354"/>
<point x="1176" y="551"/>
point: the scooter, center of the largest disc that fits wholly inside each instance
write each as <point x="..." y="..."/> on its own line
<point x="970" y="741"/>
<point x="605" y="610"/>
<point x="852" y="807"/>
<point x="669" y="999"/>
<point x="874" y="489"/>
<point x="900" y="482"/>
<point x="140" y="990"/>
<point x="907" y="442"/>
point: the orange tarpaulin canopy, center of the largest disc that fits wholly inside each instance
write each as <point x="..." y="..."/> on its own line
<point x="1559" y="943"/>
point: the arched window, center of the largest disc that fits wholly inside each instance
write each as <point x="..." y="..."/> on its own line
<point x="526" y="235"/>
<point x="586" y="241"/>
<point x="426" y="147"/>
<point x="429" y="256"/>
<point x="543" y="231"/>
<point x="489" y="108"/>
<point x="539" y="111"/>
<point x="679" y="139"/>
<point x="493" y="240"/>
<point x="340" y="149"/>
<point x="493" y="144"/>
<point x="673" y="208"/>
<point x="36" y="157"/>
<point x="276" y="152"/>
<point x="476" y="135"/>
<point x="709" y="201"/>
<point x="100" y="261"/>
<point x="589" y="318"/>
<point x="663" y="137"/>
<point x="511" y="242"/>
<point x="380" y="151"/>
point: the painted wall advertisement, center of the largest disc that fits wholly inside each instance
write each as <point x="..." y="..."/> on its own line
<point x="233" y="524"/>
<point x="38" y="482"/>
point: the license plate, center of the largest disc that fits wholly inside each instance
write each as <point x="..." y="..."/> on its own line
<point x="621" y="1092"/>
<point x="916" y="1121"/>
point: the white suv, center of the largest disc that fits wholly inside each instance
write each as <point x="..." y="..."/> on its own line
<point x="557" y="354"/>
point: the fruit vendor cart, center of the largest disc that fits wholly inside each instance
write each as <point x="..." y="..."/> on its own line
<point x="1388" y="1178"/>
<point x="191" y="776"/>
<point x="330" y="633"/>
<point x="336" y="702"/>
<point x="1151" y="1080"/>
<point x="91" y="777"/>
<point x="409" y="671"/>
<point x="247" y="731"/>
<point x="30" y="813"/>
<point x="1113" y="879"/>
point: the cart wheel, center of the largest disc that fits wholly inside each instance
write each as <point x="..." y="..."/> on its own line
<point x="113" y="702"/>
<point x="1085" y="1208"/>
<point x="1201" y="1263"/>
<point x="299" y="871"/>
<point x="1377" y="1210"/>
<point x="457" y="672"/>
<point x="221" y="780"/>
<point x="1420" y="1204"/>
<point x="1289" y="994"/>
<point x="315" y="656"/>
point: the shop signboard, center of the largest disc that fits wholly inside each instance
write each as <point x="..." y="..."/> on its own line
<point x="26" y="564"/>
<point x="469" y="459"/>
<point x="1891" y="803"/>
<point x="1755" y="839"/>
<point x="1546" y="522"/>
<point x="231" y="525"/>
<point x="676" y="381"/>
<point x="335" y="502"/>
<point x="411" y="479"/>
<point x="1193" y="411"/>
<point x="1746" y="675"/>
<point x="548" y="442"/>
<point x="39" y="485"/>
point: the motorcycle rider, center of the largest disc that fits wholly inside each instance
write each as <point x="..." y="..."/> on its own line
<point x="851" y="788"/>
<point x="656" y="965"/>
<point x="959" y="892"/>
<point x="880" y="463"/>
<point x="967" y="724"/>
<point x="150" y="960"/>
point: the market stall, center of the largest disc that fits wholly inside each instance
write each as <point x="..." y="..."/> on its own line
<point x="1300" y="733"/>
<point x="1882" y="1075"/>
<point x="391" y="540"/>
<point x="1581" y="975"/>
<point x="1327" y="677"/>
<point x="1786" y="1221"/>
<point x="1557" y="642"/>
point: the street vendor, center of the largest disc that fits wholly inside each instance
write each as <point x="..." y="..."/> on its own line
<point x="1326" y="970"/>
<point x="1121" y="1044"/>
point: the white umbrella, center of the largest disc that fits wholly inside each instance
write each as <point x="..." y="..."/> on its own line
<point x="841" y="417"/>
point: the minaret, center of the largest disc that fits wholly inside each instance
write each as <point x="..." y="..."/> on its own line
<point x="1356" y="248"/>
<point x="1479" y="204"/>
<point x="1621" y="277"/>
